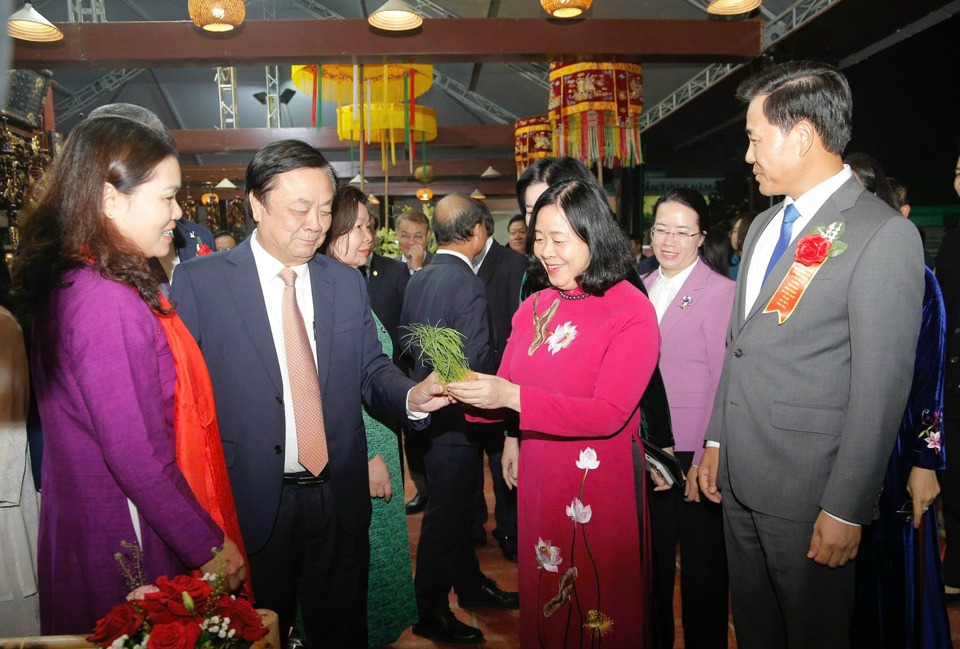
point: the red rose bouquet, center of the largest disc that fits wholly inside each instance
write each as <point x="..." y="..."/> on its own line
<point x="179" y="613"/>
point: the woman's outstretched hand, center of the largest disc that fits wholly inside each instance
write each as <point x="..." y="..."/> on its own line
<point x="487" y="392"/>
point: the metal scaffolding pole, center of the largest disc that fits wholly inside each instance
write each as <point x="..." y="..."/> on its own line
<point x="226" y="79"/>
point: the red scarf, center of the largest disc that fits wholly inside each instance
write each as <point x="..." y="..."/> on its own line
<point x="197" y="435"/>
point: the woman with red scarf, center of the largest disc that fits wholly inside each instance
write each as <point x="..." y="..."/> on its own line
<point x="132" y="457"/>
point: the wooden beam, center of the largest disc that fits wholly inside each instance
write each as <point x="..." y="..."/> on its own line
<point x="242" y="140"/>
<point x="499" y="188"/>
<point x="467" y="170"/>
<point x="261" y="42"/>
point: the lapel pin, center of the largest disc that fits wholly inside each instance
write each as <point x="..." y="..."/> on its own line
<point x="685" y="301"/>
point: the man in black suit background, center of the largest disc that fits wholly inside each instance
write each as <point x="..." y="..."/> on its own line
<point x="501" y="270"/>
<point x="413" y="235"/>
<point x="448" y="294"/>
<point x="386" y="283"/>
<point x="948" y="274"/>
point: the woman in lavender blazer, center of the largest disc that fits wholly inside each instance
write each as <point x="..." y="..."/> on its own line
<point x="693" y="305"/>
<point x="104" y="375"/>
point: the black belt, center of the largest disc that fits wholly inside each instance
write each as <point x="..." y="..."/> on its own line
<point x="305" y="478"/>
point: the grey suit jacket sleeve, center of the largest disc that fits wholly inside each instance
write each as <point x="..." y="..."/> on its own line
<point x="885" y="305"/>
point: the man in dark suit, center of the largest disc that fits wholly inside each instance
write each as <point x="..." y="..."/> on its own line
<point x="448" y="294"/>
<point x="386" y="282"/>
<point x="274" y="320"/>
<point x="948" y="274"/>
<point x="413" y="235"/>
<point x="501" y="270"/>
<point x="816" y="375"/>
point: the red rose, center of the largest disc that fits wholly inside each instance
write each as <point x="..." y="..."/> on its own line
<point x="166" y="605"/>
<point x="245" y="621"/>
<point x="198" y="589"/>
<point x="203" y="249"/>
<point x="813" y="249"/>
<point x="173" y="636"/>
<point x="122" y="619"/>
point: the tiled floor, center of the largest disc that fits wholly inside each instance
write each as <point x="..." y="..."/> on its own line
<point x="502" y="628"/>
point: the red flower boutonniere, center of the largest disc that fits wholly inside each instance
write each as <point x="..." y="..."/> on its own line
<point x="812" y="251"/>
<point x="825" y="242"/>
<point x="202" y="248"/>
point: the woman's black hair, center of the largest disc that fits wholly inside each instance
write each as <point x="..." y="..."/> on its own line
<point x="585" y="207"/>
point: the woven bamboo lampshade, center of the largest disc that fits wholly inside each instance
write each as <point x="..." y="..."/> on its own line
<point x="732" y="7"/>
<point x="532" y="140"/>
<point x="565" y="8"/>
<point x="216" y="15"/>
<point x="595" y="109"/>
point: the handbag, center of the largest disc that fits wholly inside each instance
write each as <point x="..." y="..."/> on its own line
<point x="666" y="464"/>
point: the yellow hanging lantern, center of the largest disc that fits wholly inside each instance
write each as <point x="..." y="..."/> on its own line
<point x="532" y="140"/>
<point x="595" y="109"/>
<point x="386" y="81"/>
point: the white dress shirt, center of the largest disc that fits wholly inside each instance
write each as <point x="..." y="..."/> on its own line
<point x="268" y="270"/>
<point x="478" y="260"/>
<point x="808" y="205"/>
<point x="665" y="289"/>
<point x="456" y="254"/>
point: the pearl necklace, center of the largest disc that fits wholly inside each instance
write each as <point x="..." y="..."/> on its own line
<point x="579" y="296"/>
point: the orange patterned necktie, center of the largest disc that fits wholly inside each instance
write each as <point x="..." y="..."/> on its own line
<point x="304" y="382"/>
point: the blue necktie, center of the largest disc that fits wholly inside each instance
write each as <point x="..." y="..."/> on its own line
<point x="790" y="215"/>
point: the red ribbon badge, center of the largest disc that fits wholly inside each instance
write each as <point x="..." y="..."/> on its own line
<point x="812" y="251"/>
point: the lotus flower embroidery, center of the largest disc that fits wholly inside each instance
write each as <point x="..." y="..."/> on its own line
<point x="579" y="512"/>
<point x="562" y="337"/>
<point x="588" y="459"/>
<point x="548" y="556"/>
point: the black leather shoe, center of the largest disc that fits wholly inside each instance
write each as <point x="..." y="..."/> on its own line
<point x="416" y="504"/>
<point x="509" y="546"/>
<point x="479" y="538"/>
<point x="489" y="594"/>
<point x="447" y="628"/>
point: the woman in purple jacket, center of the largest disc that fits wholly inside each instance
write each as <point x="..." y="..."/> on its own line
<point x="693" y="304"/>
<point x="104" y="375"/>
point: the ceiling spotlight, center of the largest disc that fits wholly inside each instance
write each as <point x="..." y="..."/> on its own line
<point x="490" y="173"/>
<point x="732" y="7"/>
<point x="565" y="8"/>
<point x="477" y="194"/>
<point x="395" y="16"/>
<point x="28" y="25"/>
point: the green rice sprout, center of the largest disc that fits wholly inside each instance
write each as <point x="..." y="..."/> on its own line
<point x="441" y="348"/>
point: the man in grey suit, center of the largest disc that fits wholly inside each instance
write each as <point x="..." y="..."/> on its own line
<point x="814" y="381"/>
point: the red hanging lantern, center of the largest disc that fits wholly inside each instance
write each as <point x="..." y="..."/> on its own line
<point x="595" y="109"/>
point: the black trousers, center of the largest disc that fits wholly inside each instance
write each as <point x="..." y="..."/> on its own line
<point x="312" y="561"/>
<point x="704" y="585"/>
<point x="505" y="499"/>
<point x="950" y="492"/>
<point x="445" y="554"/>
<point x="780" y="597"/>
<point x="415" y="445"/>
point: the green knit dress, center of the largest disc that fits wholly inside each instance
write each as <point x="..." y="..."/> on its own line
<point x="391" y="604"/>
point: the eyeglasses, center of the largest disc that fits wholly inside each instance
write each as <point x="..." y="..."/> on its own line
<point x="662" y="234"/>
<point x="415" y="235"/>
